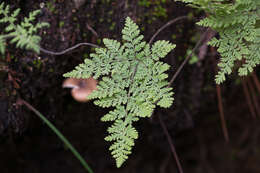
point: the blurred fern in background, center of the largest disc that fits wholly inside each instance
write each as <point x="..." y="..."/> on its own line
<point x="237" y="23"/>
<point x="23" y="34"/>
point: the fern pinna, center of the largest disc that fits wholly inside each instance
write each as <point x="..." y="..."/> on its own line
<point x="237" y="23"/>
<point x="23" y="34"/>
<point x="133" y="82"/>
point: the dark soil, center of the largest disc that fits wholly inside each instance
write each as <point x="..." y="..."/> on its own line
<point x="28" y="145"/>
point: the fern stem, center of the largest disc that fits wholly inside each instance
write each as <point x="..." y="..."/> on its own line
<point x="171" y="144"/>
<point x="222" y="115"/>
<point x="58" y="133"/>
<point x="220" y="100"/>
<point x="166" y="25"/>
<point x="253" y="95"/>
<point x="67" y="50"/>
<point x="94" y="45"/>
<point x="256" y="81"/>
<point x="248" y="99"/>
<point x="188" y="57"/>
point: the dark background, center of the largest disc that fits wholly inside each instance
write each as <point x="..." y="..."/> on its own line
<point x="27" y="145"/>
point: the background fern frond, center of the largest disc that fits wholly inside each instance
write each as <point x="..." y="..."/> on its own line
<point x="23" y="34"/>
<point x="236" y="23"/>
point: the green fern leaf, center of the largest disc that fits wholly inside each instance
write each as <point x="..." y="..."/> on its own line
<point x="161" y="48"/>
<point x="236" y="23"/>
<point x="118" y="113"/>
<point x="2" y="45"/>
<point x="23" y="34"/>
<point x="133" y="82"/>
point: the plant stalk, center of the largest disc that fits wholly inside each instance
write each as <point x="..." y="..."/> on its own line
<point x="58" y="133"/>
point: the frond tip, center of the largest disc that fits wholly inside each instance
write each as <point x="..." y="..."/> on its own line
<point x="133" y="81"/>
<point x="123" y="135"/>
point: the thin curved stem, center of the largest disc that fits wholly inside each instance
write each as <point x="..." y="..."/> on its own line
<point x="67" y="50"/>
<point x="248" y="99"/>
<point x="166" y="25"/>
<point x="188" y="57"/>
<point x="171" y="144"/>
<point x="94" y="45"/>
<point x="222" y="115"/>
<point x="58" y="133"/>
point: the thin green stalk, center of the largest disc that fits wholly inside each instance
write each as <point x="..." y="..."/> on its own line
<point x="59" y="134"/>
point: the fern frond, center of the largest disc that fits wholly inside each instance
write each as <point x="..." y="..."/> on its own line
<point x="133" y="81"/>
<point x="23" y="34"/>
<point x="236" y="23"/>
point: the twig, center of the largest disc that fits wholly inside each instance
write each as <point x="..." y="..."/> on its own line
<point x="58" y="133"/>
<point x="188" y="57"/>
<point x="221" y="112"/>
<point x="171" y="144"/>
<point x="254" y="96"/>
<point x="248" y="99"/>
<point x="257" y="83"/>
<point x="171" y="81"/>
<point x="165" y="26"/>
<point x="67" y="50"/>
<point x="92" y="30"/>
<point x="220" y="103"/>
